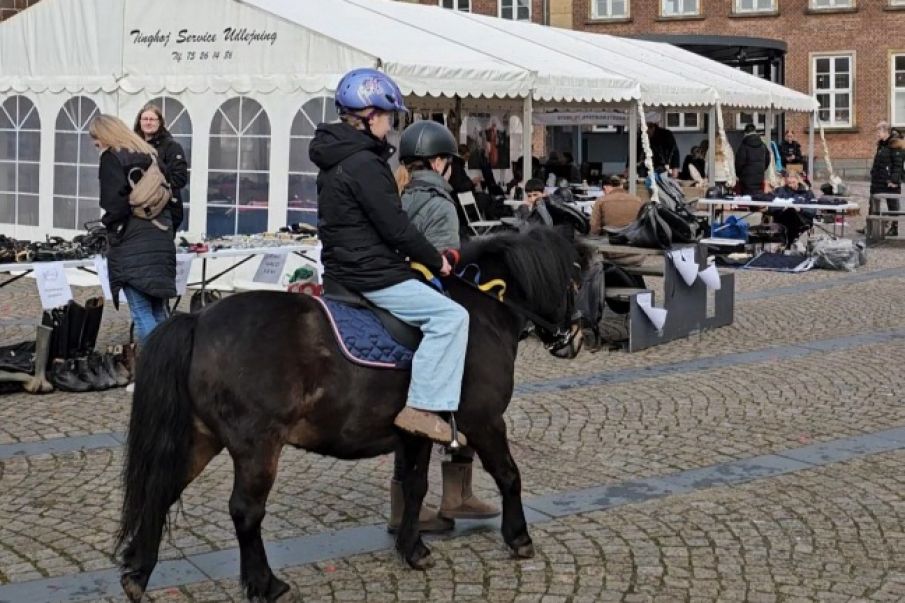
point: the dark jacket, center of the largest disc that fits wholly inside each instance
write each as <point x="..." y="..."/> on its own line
<point x="176" y="169"/>
<point x="365" y="234"/>
<point x="664" y="149"/>
<point x="140" y="254"/>
<point x="428" y="202"/>
<point x="887" y="166"/>
<point x="751" y="161"/>
<point x="790" y="150"/>
<point x="459" y="179"/>
<point x="698" y="162"/>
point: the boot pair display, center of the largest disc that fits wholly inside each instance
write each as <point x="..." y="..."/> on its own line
<point x="458" y="502"/>
<point x="75" y="365"/>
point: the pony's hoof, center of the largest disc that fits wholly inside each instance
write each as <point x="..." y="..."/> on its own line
<point x="133" y="589"/>
<point x="422" y="563"/>
<point x="523" y="551"/>
<point x="278" y="591"/>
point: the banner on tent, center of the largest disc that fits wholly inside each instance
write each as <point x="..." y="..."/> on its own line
<point x="576" y="118"/>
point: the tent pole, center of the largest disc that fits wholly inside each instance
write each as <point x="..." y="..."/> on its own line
<point x="632" y="151"/>
<point x="711" y="144"/>
<point x="812" y="172"/>
<point x="527" y="135"/>
<point x="769" y="125"/>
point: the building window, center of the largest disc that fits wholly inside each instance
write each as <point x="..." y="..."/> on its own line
<point x="829" y="4"/>
<point x="755" y="6"/>
<point x="687" y="121"/>
<point x="897" y="3"/>
<point x="179" y="124"/>
<point x="832" y="84"/>
<point x="462" y="5"/>
<point x="75" y="175"/>
<point x="679" y="8"/>
<point x="609" y="9"/>
<point x="515" y="10"/>
<point x="742" y="119"/>
<point x="20" y="152"/>
<point x="898" y="89"/>
<point x="302" y="172"/>
<point x="239" y="169"/>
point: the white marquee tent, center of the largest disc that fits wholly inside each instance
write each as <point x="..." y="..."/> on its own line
<point x="244" y="83"/>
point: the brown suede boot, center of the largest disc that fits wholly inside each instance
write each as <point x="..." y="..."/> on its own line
<point x="428" y="425"/>
<point x="459" y="502"/>
<point x="428" y="520"/>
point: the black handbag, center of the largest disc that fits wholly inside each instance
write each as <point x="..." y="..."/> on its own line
<point x="648" y="230"/>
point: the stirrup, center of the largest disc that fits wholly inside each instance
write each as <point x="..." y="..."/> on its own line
<point x="454" y="442"/>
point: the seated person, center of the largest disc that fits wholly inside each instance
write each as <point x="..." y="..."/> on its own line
<point x="459" y="179"/>
<point x="790" y="151"/>
<point x="572" y="171"/>
<point x="697" y="159"/>
<point x="557" y="210"/>
<point x="616" y="209"/>
<point x="534" y="209"/>
<point x="794" y="220"/>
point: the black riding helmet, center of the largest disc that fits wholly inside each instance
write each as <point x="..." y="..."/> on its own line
<point x="425" y="139"/>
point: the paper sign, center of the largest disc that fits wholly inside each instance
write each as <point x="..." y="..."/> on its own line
<point x="183" y="267"/>
<point x="711" y="277"/>
<point x="683" y="260"/>
<point x="100" y="267"/>
<point x="53" y="286"/>
<point x="657" y="316"/>
<point x="271" y="268"/>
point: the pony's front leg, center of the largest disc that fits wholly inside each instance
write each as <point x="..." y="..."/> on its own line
<point x="492" y="446"/>
<point x="416" y="453"/>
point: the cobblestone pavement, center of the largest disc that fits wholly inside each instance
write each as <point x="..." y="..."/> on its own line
<point x="832" y="344"/>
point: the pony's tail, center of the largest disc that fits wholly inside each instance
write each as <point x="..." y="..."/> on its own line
<point x="160" y="433"/>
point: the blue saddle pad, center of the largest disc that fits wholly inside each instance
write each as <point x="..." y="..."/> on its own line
<point x="363" y="339"/>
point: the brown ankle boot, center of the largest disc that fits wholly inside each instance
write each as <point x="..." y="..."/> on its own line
<point x="428" y="425"/>
<point x="459" y="501"/>
<point x="428" y="519"/>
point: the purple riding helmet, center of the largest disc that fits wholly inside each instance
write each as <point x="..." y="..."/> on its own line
<point x="363" y="88"/>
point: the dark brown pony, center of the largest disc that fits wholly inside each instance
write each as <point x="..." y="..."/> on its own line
<point x="257" y="371"/>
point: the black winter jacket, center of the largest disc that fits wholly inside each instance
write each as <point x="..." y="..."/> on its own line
<point x="365" y="233"/>
<point x="664" y="149"/>
<point x="176" y="169"/>
<point x="140" y="254"/>
<point x="887" y="166"/>
<point x="751" y="161"/>
<point x="790" y="149"/>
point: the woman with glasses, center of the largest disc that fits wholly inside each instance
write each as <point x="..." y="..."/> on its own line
<point x="151" y="126"/>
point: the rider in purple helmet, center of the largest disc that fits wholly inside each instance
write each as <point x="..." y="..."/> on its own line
<point x="368" y="242"/>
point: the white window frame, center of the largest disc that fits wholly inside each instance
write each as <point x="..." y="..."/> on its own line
<point x="608" y="15"/>
<point x="682" y="127"/>
<point x="455" y="5"/>
<point x="896" y="2"/>
<point x="80" y="120"/>
<point x="514" y="4"/>
<point x="758" y="119"/>
<point x="685" y="13"/>
<point x="738" y="9"/>
<point x="833" y="91"/>
<point x="831" y="4"/>
<point x="895" y="120"/>
<point x="15" y="190"/>
<point x="239" y="132"/>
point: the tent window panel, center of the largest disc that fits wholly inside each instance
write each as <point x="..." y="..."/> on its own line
<point x="28" y="178"/>
<point x="7" y="208"/>
<point x="20" y="150"/>
<point x="239" y="168"/>
<point x="64" y="212"/>
<point x="832" y="81"/>
<point x="75" y="169"/>
<point x="89" y="210"/>
<point x="8" y="177"/>
<point x="27" y="208"/>
<point x="302" y="171"/>
<point x="8" y="145"/>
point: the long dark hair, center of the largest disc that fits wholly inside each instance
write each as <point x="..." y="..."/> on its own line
<point x="163" y="122"/>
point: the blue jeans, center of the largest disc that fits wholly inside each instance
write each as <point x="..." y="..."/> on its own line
<point x="440" y="359"/>
<point x="147" y="312"/>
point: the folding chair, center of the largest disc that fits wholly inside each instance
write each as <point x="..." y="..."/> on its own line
<point x="470" y="208"/>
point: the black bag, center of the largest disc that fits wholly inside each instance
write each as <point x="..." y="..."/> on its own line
<point x="648" y="230"/>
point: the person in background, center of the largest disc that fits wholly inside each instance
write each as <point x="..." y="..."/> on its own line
<point x="151" y="126"/>
<point x="141" y="257"/>
<point x="616" y="209"/>
<point x="696" y="159"/>
<point x="534" y="209"/>
<point x="794" y="220"/>
<point x="790" y="151"/>
<point x="426" y="151"/>
<point x="574" y="174"/>
<point x="663" y="147"/>
<point x="751" y="161"/>
<point x="886" y="171"/>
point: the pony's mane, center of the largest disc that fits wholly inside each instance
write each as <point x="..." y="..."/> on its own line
<point x="540" y="261"/>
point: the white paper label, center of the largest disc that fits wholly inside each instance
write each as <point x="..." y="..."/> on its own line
<point x="657" y="316"/>
<point x="100" y="266"/>
<point x="683" y="260"/>
<point x="711" y="277"/>
<point x="271" y="268"/>
<point x="53" y="286"/>
<point x="183" y="268"/>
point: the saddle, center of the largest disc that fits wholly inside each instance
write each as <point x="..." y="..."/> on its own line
<point x="402" y="332"/>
